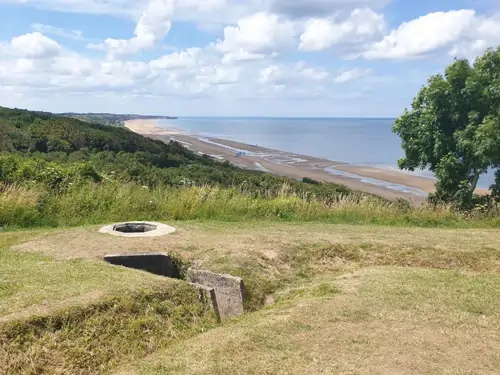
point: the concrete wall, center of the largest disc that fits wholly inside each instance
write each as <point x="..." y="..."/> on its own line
<point x="224" y="294"/>
<point x="229" y="290"/>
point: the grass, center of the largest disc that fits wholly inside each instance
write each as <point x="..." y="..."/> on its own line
<point x="325" y="299"/>
<point x="107" y="202"/>
<point x="93" y="338"/>
<point x="384" y="321"/>
<point x="83" y="316"/>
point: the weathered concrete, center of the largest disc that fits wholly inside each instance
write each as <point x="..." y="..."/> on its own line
<point x="138" y="229"/>
<point x="207" y="298"/>
<point x="229" y="290"/>
<point x="223" y="294"/>
<point x="157" y="263"/>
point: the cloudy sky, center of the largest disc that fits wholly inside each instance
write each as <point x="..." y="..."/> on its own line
<point x="356" y="58"/>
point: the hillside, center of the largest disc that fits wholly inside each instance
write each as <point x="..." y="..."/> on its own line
<point x="324" y="299"/>
<point x="55" y="152"/>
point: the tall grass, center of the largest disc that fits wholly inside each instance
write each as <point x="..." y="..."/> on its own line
<point x="19" y="206"/>
<point x="108" y="202"/>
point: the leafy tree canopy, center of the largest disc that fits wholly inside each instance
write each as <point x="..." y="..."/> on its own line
<point x="453" y="127"/>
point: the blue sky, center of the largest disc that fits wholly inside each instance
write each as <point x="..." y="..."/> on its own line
<point x="356" y="58"/>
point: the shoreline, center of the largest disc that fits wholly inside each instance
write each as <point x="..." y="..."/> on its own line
<point x="386" y="183"/>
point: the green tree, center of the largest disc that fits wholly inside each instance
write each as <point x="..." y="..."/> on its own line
<point x="453" y="127"/>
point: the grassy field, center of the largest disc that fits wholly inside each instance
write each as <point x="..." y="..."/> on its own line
<point x="324" y="299"/>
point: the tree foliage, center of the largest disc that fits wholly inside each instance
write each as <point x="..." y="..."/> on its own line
<point x="453" y="127"/>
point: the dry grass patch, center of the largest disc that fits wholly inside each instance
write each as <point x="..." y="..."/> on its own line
<point x="394" y="321"/>
<point x="207" y="241"/>
<point x="269" y="256"/>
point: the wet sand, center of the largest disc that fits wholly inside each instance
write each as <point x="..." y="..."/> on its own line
<point x="385" y="183"/>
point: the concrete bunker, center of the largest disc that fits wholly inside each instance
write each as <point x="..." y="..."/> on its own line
<point x="224" y="294"/>
<point x="138" y="229"/>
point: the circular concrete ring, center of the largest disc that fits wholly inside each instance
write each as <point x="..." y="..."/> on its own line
<point x="130" y="229"/>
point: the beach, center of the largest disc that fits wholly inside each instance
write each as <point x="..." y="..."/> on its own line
<point x="386" y="183"/>
<point x="148" y="127"/>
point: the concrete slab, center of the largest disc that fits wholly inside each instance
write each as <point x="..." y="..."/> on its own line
<point x="229" y="290"/>
<point x="138" y="229"/>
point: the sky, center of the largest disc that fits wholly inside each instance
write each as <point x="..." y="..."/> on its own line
<point x="339" y="58"/>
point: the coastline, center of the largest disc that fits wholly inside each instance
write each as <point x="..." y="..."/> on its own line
<point x="382" y="182"/>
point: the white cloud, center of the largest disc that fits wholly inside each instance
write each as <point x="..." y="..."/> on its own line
<point x="361" y="26"/>
<point x="31" y="45"/>
<point x="351" y="75"/>
<point x="281" y="74"/>
<point x="241" y="56"/>
<point x="259" y="33"/>
<point x="218" y="75"/>
<point x="153" y="25"/>
<point x="459" y="31"/>
<point x="255" y="58"/>
<point x="486" y="33"/>
<point x="49" y="29"/>
<point x="178" y="60"/>
<point x="315" y="74"/>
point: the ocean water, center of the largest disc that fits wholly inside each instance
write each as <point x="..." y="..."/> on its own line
<point x="368" y="142"/>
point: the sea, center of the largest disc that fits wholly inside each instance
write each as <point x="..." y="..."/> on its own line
<point x="358" y="141"/>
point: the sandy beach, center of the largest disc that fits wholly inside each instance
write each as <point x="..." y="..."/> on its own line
<point x="385" y="183"/>
<point x="148" y="127"/>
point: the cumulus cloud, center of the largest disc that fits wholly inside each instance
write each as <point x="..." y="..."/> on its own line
<point x="32" y="45"/>
<point x="459" y="31"/>
<point x="242" y="56"/>
<point x="178" y="60"/>
<point x="360" y="26"/>
<point x="351" y="75"/>
<point x="153" y="25"/>
<point x="259" y="33"/>
<point x="218" y="75"/>
<point x="282" y="74"/>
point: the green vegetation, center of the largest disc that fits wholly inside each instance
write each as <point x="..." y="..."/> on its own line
<point x="453" y="128"/>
